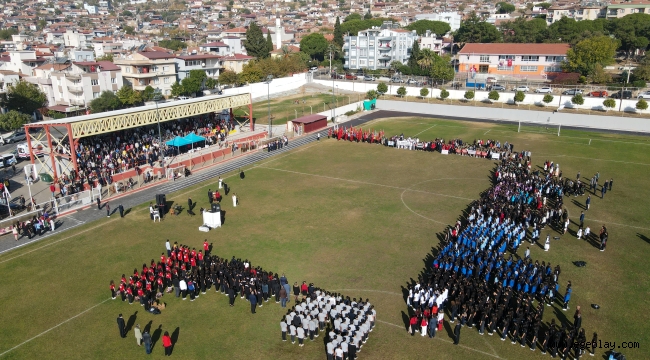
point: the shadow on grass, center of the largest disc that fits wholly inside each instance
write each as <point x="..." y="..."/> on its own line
<point x="130" y="322"/>
<point x="175" y="338"/>
<point x="156" y="336"/>
<point x="147" y="328"/>
<point x="580" y="205"/>
<point x="643" y="237"/>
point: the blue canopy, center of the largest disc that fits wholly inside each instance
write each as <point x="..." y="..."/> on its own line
<point x="193" y="138"/>
<point x="178" y="142"/>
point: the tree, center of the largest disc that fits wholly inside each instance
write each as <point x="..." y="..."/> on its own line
<point x="642" y="104"/>
<point x="525" y="31"/>
<point x="125" y="94"/>
<point x="413" y="59"/>
<point x="269" y="40"/>
<point x="129" y="30"/>
<point x="353" y="16"/>
<point x="474" y="30"/>
<point x="642" y="70"/>
<point x="105" y="57"/>
<point x="469" y="95"/>
<point x="578" y="99"/>
<point x="599" y="75"/>
<point x="368" y="15"/>
<point x="14" y="120"/>
<point x="441" y="69"/>
<point x="172" y="44"/>
<point x="609" y="104"/>
<point x="584" y="57"/>
<point x="436" y="27"/>
<point x="382" y="88"/>
<point x="444" y="93"/>
<point x="519" y="96"/>
<point x="5" y="34"/>
<point x="372" y="94"/>
<point x="505" y="8"/>
<point x="177" y="89"/>
<point x="493" y="95"/>
<point x="251" y="73"/>
<point x="548" y="98"/>
<point x="127" y="13"/>
<point x="424" y="92"/>
<point x="25" y="97"/>
<point x="228" y="77"/>
<point x="338" y="33"/>
<point x="105" y="102"/>
<point x="544" y="5"/>
<point x="401" y="91"/>
<point x="193" y="83"/>
<point x="255" y="43"/>
<point x="148" y="93"/>
<point x="314" y="45"/>
<point x="211" y="83"/>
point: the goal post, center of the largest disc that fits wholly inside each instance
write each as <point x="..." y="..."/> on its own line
<point x="539" y="127"/>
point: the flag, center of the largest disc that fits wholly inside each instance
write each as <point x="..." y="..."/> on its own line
<point x="7" y="194"/>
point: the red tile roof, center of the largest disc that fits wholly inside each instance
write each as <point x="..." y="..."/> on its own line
<point x="237" y="57"/>
<point x="153" y="55"/>
<point x="514" y="49"/>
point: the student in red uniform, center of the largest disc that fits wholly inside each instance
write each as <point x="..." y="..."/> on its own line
<point x="167" y="344"/>
<point x="206" y="248"/>
<point x="113" y="289"/>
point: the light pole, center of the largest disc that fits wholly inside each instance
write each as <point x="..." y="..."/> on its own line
<point x="333" y="98"/>
<point x="268" y="100"/>
<point x="157" y="95"/>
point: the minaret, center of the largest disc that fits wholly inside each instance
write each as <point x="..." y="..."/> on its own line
<point x="278" y="35"/>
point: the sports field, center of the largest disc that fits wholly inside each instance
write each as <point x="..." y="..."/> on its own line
<point x="354" y="218"/>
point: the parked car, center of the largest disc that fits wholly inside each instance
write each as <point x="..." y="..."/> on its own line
<point x="572" y="92"/>
<point x="622" y="94"/>
<point x="544" y="90"/>
<point x="350" y="77"/>
<point x="397" y="79"/>
<point x="334" y="75"/>
<point x="644" y="95"/>
<point x="413" y="82"/>
<point x="497" y="87"/>
<point x="313" y="68"/>
<point x="6" y="160"/>
<point x="523" y="88"/>
<point x="598" y="93"/>
<point x="182" y="98"/>
<point x="19" y="135"/>
<point x="369" y="78"/>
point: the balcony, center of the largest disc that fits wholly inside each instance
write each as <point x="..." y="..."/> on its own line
<point x="385" y="47"/>
<point x="75" y="89"/>
<point x="78" y="102"/>
<point x="72" y="76"/>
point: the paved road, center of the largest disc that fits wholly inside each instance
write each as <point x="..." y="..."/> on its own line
<point x="79" y="218"/>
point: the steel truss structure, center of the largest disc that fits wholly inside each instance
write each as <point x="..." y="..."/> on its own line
<point x="46" y="136"/>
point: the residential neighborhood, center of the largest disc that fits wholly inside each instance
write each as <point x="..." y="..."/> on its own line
<point x="75" y="52"/>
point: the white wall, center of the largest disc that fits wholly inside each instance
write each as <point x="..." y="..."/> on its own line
<point x="261" y="90"/>
<point x="505" y="97"/>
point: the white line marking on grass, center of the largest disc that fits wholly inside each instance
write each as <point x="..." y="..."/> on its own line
<point x="365" y="182"/>
<point x="447" y="341"/>
<point x="425" y="130"/>
<point x="53" y="327"/>
<point x="485" y="133"/>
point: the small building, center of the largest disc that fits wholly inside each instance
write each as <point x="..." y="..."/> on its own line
<point x="308" y="123"/>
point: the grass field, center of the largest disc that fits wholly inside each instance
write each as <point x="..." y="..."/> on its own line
<point x="285" y="109"/>
<point x="351" y="217"/>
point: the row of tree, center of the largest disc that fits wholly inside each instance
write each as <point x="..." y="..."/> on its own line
<point x="259" y="69"/>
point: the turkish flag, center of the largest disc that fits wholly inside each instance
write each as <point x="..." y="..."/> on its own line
<point x="509" y="62"/>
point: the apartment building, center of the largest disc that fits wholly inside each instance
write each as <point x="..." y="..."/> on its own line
<point x="451" y="18"/>
<point x="208" y="62"/>
<point x="619" y="10"/>
<point x="432" y="42"/>
<point x="73" y="85"/>
<point x="577" y="12"/>
<point x="150" y="68"/>
<point x="22" y="62"/>
<point x="518" y="60"/>
<point x="376" y="48"/>
<point x="7" y="78"/>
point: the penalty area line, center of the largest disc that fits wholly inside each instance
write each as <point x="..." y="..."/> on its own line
<point x="53" y="327"/>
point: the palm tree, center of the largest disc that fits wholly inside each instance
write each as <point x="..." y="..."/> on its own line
<point x="426" y="58"/>
<point x="285" y="51"/>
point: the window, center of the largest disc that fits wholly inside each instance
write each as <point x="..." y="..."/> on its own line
<point x="353" y="52"/>
<point x="362" y="62"/>
<point x="371" y="43"/>
<point x="506" y="57"/>
<point x="550" y="69"/>
<point x="94" y="82"/>
<point x="483" y="69"/>
<point x="156" y="81"/>
<point x="154" y="68"/>
<point x="128" y="69"/>
<point x="371" y="62"/>
<point x="528" y="68"/>
<point x="363" y="52"/>
<point x="529" y="58"/>
<point x="353" y="62"/>
<point x="485" y="59"/>
<point x="165" y="68"/>
<point x="505" y="68"/>
<point x="113" y="81"/>
<point x="167" y="80"/>
<point x="79" y="57"/>
<point x="353" y="42"/>
<point x="556" y="59"/>
<point x="95" y="95"/>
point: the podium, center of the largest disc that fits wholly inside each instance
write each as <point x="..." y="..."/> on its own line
<point x="212" y="219"/>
